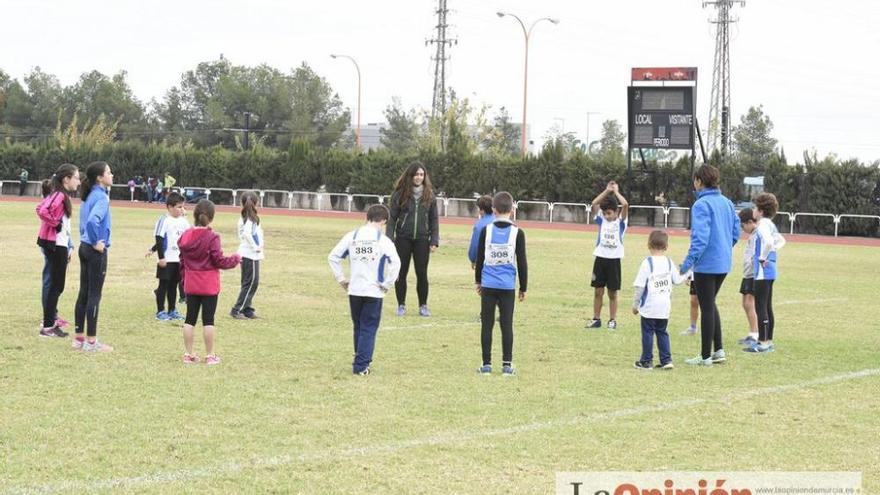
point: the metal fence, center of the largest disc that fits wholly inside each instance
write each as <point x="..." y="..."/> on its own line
<point x="541" y="211"/>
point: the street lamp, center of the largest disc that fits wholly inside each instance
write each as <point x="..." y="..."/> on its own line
<point x="527" y="33"/>
<point x="357" y="132"/>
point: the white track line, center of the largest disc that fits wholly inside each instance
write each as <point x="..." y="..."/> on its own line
<point x="813" y="301"/>
<point x="86" y="486"/>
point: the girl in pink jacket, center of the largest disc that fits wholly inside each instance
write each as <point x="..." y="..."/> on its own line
<point x="55" y="241"/>
<point x="201" y="259"/>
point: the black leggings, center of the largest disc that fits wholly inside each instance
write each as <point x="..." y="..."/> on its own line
<point x="504" y="300"/>
<point x="57" y="277"/>
<point x="92" y="270"/>
<point x="707" y="286"/>
<point x="167" y="290"/>
<point x="764" y="309"/>
<point x="420" y="251"/>
<point x="208" y="305"/>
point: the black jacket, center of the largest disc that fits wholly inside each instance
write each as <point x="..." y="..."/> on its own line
<point x="413" y="220"/>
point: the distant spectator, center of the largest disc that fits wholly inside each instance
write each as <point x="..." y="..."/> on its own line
<point x="23" y="179"/>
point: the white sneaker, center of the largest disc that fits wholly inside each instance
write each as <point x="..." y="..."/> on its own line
<point x="718" y="356"/>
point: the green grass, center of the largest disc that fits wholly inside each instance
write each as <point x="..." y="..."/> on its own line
<point x="283" y="414"/>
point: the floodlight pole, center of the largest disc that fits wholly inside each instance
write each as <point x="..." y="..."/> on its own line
<point x="357" y="132"/>
<point x="527" y="33"/>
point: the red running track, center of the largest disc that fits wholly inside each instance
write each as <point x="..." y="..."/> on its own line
<point x="817" y="239"/>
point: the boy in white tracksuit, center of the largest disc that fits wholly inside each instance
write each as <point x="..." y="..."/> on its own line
<point x="374" y="268"/>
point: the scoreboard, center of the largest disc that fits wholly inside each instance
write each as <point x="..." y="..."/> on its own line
<point x="661" y="117"/>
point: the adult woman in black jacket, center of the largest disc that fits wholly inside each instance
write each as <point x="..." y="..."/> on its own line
<point x="415" y="230"/>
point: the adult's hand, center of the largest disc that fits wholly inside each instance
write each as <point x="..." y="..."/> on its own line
<point x="433" y="248"/>
<point x="99" y="246"/>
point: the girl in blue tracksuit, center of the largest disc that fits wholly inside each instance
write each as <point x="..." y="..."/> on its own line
<point x="94" y="232"/>
<point x="714" y="232"/>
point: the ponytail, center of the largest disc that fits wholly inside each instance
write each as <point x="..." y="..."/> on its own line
<point x="249" y="202"/>
<point x="203" y="213"/>
<point x="64" y="171"/>
<point x="46" y="187"/>
<point x="93" y="171"/>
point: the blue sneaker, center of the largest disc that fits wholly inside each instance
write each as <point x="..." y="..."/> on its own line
<point x="163" y="316"/>
<point x="594" y="323"/>
<point x="485" y="369"/>
<point x="508" y="370"/>
<point x="423" y="311"/>
<point x="759" y="348"/>
<point x="401" y="310"/>
<point x="175" y="315"/>
<point x="748" y="341"/>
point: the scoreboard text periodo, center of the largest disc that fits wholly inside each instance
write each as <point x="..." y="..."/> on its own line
<point x="661" y="117"/>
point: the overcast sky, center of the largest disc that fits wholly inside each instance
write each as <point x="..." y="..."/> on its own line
<point x="812" y="64"/>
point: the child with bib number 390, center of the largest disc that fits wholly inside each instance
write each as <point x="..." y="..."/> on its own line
<point x="653" y="300"/>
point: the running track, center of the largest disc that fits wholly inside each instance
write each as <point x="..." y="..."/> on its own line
<point x="817" y="239"/>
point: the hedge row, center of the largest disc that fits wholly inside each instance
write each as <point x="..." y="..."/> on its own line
<point x="828" y="186"/>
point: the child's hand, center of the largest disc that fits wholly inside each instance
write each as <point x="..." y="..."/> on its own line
<point x="163" y="263"/>
<point x="479" y="289"/>
<point x="522" y="296"/>
<point x="344" y="284"/>
<point x="149" y="253"/>
<point x="635" y="311"/>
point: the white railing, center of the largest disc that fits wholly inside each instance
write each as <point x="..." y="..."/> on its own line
<point x="456" y="204"/>
<point x="555" y="206"/>
<point x="454" y="207"/>
<point x="536" y="203"/>
<point x="847" y="215"/>
<point x="832" y="216"/>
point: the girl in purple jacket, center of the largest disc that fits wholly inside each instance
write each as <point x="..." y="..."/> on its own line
<point x="55" y="241"/>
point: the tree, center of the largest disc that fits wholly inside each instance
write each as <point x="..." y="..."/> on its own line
<point x="401" y="135"/>
<point x="95" y="94"/>
<point x="612" y="137"/>
<point x="612" y="140"/>
<point x="504" y="137"/>
<point x="752" y="142"/>
<point x="44" y="93"/>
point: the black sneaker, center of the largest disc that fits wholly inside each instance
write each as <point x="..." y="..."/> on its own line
<point x="251" y="315"/>
<point x="59" y="332"/>
<point x="642" y="365"/>
<point x="237" y="315"/>
<point x="666" y="366"/>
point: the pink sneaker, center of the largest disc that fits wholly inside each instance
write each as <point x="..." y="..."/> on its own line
<point x="212" y="359"/>
<point x="96" y="346"/>
<point x="190" y="359"/>
<point x="61" y="322"/>
<point x="76" y="344"/>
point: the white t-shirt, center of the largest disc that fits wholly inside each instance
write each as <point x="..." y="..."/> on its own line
<point x="749" y="256"/>
<point x="250" y="236"/>
<point x="373" y="259"/>
<point x="62" y="238"/>
<point x="657" y="274"/>
<point x="609" y="244"/>
<point x="171" y="229"/>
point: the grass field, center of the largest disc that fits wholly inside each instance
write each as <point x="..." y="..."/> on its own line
<point x="283" y="414"/>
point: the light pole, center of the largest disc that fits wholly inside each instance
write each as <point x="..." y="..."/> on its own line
<point x="357" y="132"/>
<point x="527" y="34"/>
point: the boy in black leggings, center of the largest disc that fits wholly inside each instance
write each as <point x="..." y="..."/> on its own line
<point x="501" y="256"/>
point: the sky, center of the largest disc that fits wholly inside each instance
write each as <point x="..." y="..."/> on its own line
<point x="813" y="65"/>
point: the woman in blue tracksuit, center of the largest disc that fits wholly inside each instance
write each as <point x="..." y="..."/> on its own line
<point x="714" y="231"/>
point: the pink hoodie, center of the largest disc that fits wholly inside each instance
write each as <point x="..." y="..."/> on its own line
<point x="50" y="211"/>
<point x="201" y="259"/>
